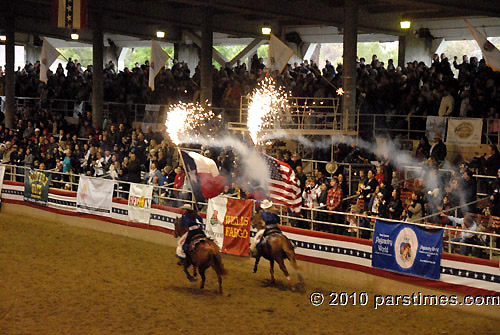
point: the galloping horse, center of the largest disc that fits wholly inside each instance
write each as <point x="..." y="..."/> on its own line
<point x="277" y="247"/>
<point x="204" y="254"/>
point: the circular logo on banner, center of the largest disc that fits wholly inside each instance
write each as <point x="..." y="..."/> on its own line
<point x="214" y="220"/>
<point x="464" y="130"/>
<point x="406" y="247"/>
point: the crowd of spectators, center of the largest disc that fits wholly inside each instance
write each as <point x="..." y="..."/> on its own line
<point x="416" y="89"/>
<point x="45" y="141"/>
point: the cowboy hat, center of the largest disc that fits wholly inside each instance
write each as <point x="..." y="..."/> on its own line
<point x="265" y="204"/>
<point x="186" y="206"/>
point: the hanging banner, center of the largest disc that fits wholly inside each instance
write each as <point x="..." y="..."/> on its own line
<point x="407" y="248"/>
<point x="464" y="132"/>
<point x="228" y="223"/>
<point x="94" y="196"/>
<point x="36" y="187"/>
<point x="139" y="201"/>
<point x="435" y="125"/>
<point x="2" y="173"/>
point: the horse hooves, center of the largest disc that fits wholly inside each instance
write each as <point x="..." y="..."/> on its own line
<point x="254" y="270"/>
<point x="193" y="279"/>
<point x="301" y="278"/>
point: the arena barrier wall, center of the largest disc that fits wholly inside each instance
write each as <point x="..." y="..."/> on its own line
<point x="466" y="275"/>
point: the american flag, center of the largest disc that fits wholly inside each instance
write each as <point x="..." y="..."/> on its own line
<point x="284" y="187"/>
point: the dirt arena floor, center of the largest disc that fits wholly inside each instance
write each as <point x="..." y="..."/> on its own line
<point x="61" y="279"/>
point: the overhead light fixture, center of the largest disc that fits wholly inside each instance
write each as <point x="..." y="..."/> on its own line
<point x="3" y="37"/>
<point x="75" y="36"/>
<point x="405" y="23"/>
<point x="160" y="34"/>
<point x="266" y="30"/>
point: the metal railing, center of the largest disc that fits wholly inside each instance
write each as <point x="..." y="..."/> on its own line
<point x="309" y="115"/>
<point x="111" y="110"/>
<point x="315" y="218"/>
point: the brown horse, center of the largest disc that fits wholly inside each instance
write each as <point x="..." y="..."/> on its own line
<point x="205" y="254"/>
<point x="277" y="248"/>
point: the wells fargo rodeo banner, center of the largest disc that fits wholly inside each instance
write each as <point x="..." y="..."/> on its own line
<point x="228" y="223"/>
<point x="407" y="248"/>
<point x="36" y="187"/>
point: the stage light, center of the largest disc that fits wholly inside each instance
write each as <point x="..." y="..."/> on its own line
<point x="75" y="36"/>
<point x="160" y="34"/>
<point x="3" y="38"/>
<point x="266" y="30"/>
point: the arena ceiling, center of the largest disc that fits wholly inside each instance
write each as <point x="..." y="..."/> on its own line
<point x="131" y="22"/>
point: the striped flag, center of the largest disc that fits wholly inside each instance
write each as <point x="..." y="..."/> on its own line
<point x="48" y="56"/>
<point x="490" y="53"/>
<point x="70" y="14"/>
<point x="284" y="186"/>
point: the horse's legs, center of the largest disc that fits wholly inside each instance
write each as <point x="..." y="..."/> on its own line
<point x="281" y="263"/>
<point x="194" y="272"/>
<point x="188" y="275"/>
<point x="219" y="278"/>
<point x="187" y="263"/>
<point x="202" y="274"/>
<point x="257" y="259"/>
<point x="271" y="269"/>
<point x="290" y="254"/>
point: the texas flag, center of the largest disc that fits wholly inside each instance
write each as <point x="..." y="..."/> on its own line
<point x="203" y="175"/>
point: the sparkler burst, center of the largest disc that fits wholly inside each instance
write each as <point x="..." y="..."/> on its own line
<point x="186" y="122"/>
<point x="265" y="108"/>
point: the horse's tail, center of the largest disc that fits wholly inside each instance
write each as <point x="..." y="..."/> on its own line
<point x="217" y="263"/>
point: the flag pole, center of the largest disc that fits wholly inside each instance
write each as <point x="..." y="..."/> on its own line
<point x="193" y="198"/>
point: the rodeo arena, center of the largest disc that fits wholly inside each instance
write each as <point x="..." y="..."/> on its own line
<point x="264" y="194"/>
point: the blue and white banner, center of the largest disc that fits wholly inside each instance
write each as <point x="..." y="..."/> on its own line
<point x="407" y="248"/>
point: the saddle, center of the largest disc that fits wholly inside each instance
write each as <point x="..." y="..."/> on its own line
<point x="271" y="231"/>
<point x="195" y="240"/>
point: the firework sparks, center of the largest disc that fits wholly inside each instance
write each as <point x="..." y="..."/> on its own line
<point x="185" y="122"/>
<point x="266" y="104"/>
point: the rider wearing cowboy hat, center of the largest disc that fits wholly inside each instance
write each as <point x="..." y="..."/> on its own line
<point x="191" y="220"/>
<point x="271" y="219"/>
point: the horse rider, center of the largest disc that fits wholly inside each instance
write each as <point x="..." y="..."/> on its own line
<point x="190" y="220"/>
<point x="271" y="219"/>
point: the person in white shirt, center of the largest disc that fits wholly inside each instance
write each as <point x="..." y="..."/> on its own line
<point x="468" y="225"/>
<point x="310" y="196"/>
<point x="447" y="104"/>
